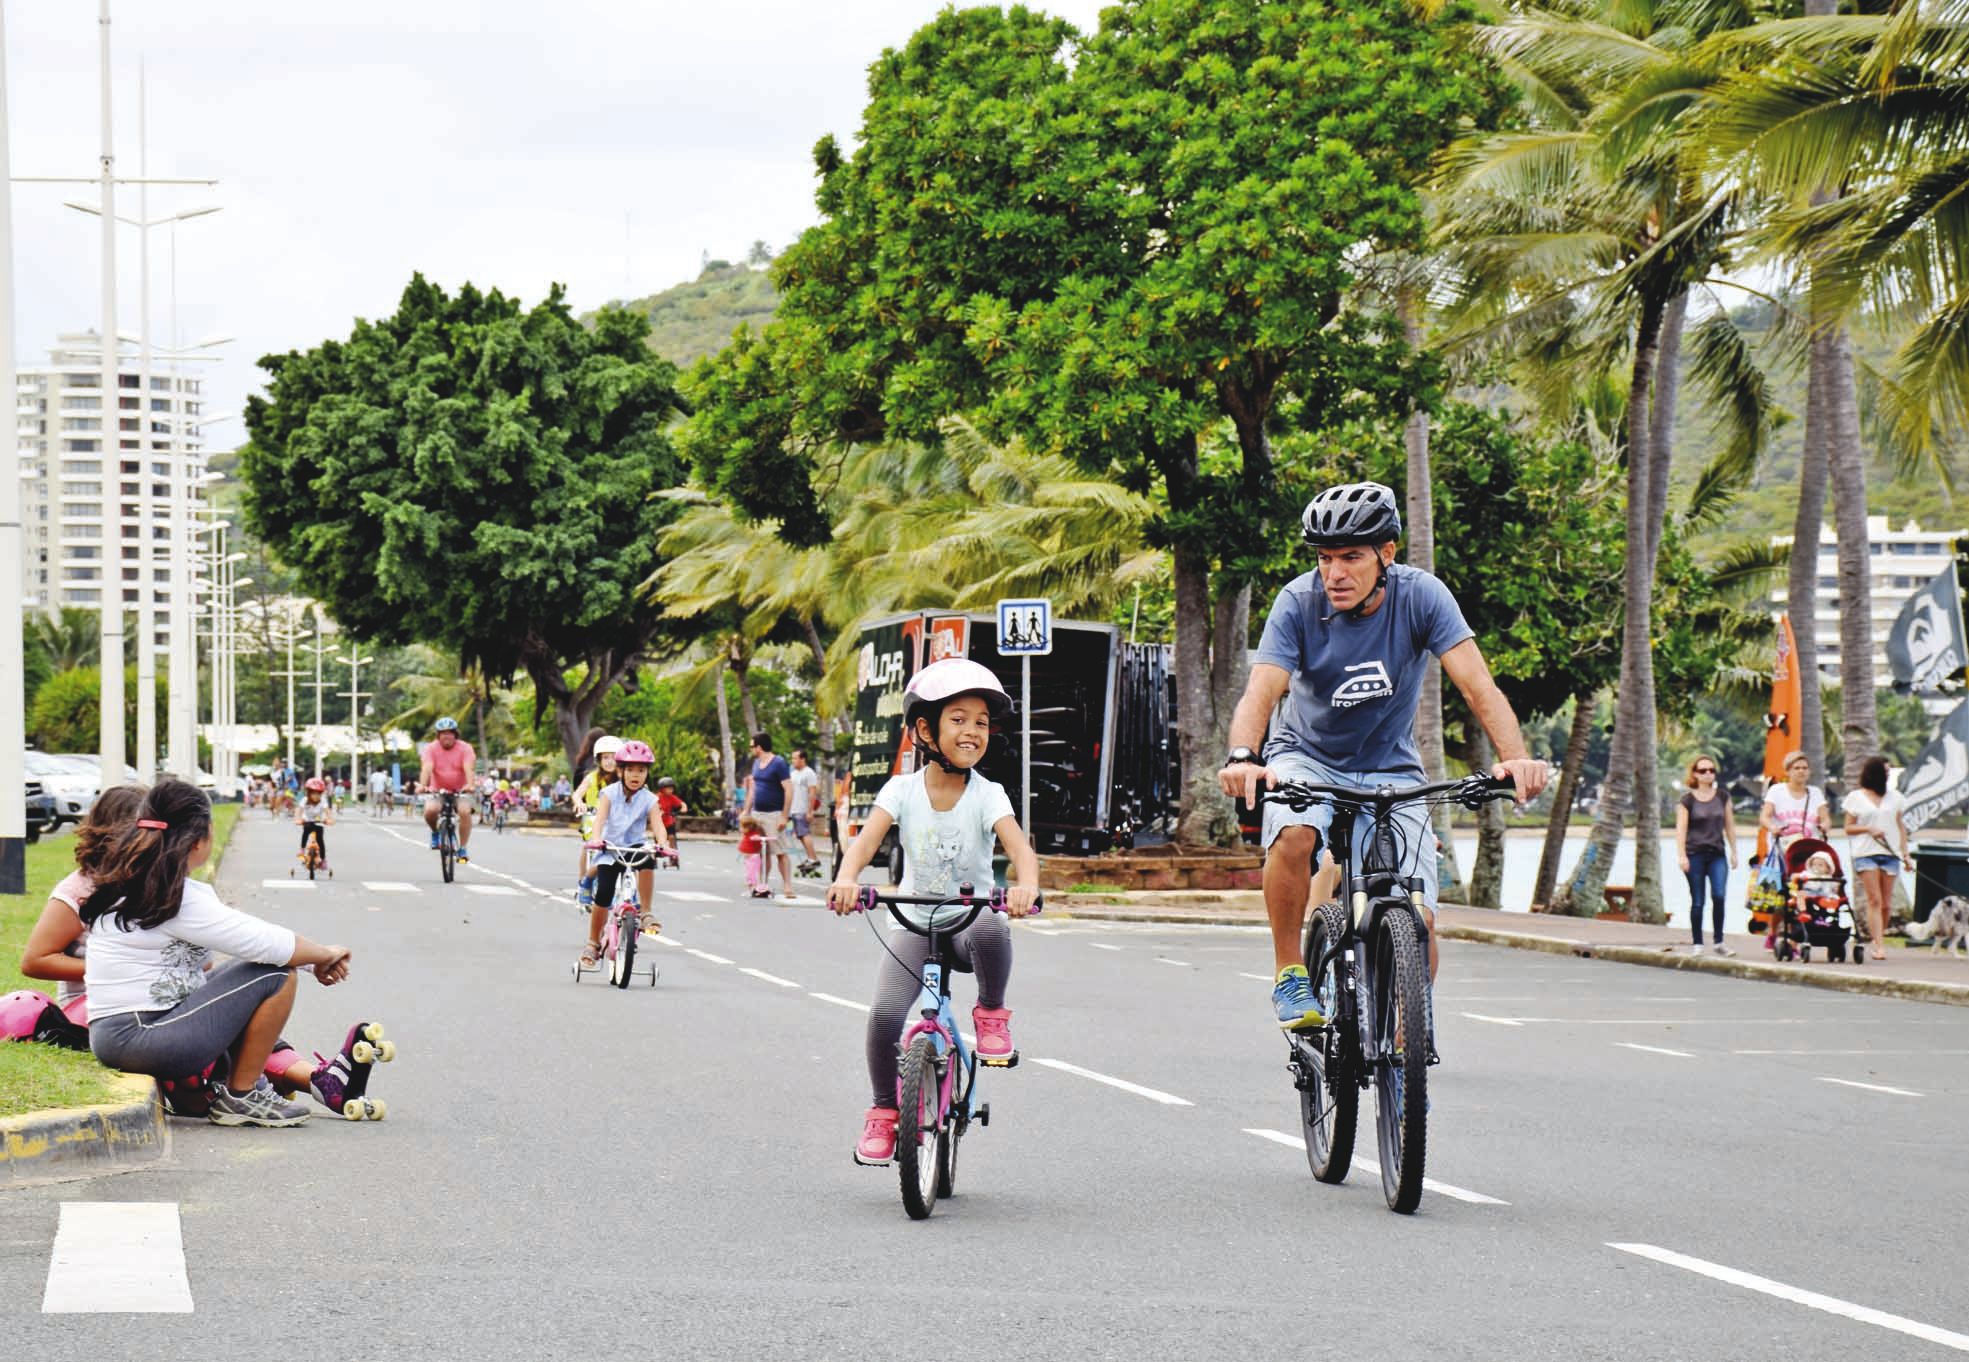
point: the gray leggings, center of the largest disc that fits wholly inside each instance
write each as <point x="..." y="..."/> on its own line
<point x="175" y="1042"/>
<point x="986" y="946"/>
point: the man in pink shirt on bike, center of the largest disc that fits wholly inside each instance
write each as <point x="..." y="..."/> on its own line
<point x="447" y="769"/>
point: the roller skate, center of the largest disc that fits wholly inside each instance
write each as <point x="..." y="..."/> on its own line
<point x="341" y="1081"/>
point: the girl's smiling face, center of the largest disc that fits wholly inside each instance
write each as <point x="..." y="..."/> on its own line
<point x="963" y="731"/>
<point x="634" y="777"/>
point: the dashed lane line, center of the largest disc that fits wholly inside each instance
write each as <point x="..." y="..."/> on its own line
<point x="287" y="884"/>
<point x="1812" y="1300"/>
<point x="840" y="1002"/>
<point x="1261" y="978"/>
<point x="1372" y="1169"/>
<point x="1495" y="1021"/>
<point x="391" y="887"/>
<point x="1870" y="1087"/>
<point x="1653" y="1049"/>
<point x="1167" y="1099"/>
<point x="1103" y="946"/>
<point x="768" y="978"/>
<point x="1179" y="964"/>
<point x="706" y="956"/>
<point x="118" y="1257"/>
<point x="498" y="890"/>
<point x="691" y="896"/>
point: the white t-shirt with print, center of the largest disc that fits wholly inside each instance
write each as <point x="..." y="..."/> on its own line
<point x="131" y="969"/>
<point x="1797" y="817"/>
<point x="944" y="850"/>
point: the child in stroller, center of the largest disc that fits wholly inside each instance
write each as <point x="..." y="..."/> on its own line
<point x="1816" y="911"/>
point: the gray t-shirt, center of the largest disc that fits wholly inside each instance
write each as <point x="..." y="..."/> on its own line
<point x="1356" y="682"/>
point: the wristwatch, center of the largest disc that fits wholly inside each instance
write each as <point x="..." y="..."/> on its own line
<point x="1241" y="755"/>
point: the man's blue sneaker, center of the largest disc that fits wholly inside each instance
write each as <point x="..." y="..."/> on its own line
<point x="463" y="858"/>
<point x="434" y="841"/>
<point x="1293" y="1000"/>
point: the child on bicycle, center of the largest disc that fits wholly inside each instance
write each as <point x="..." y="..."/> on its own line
<point x="312" y="815"/>
<point x="585" y="796"/>
<point x="752" y="855"/>
<point x="947" y="816"/>
<point x="670" y="804"/>
<point x="625" y="813"/>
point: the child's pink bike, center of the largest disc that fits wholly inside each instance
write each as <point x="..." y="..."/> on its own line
<point x="625" y="919"/>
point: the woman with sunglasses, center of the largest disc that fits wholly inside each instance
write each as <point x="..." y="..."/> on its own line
<point x="1706" y="845"/>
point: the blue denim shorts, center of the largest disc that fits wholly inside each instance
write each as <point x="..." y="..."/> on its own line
<point x="1890" y="864"/>
<point x="1416" y="839"/>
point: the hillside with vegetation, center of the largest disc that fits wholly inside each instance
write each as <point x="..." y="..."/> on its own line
<point x="695" y="319"/>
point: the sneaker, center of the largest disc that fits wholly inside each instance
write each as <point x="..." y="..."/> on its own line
<point x="994" y="1028"/>
<point x="464" y="858"/>
<point x="878" y="1138"/>
<point x="1293" y="1000"/>
<point x="789" y="898"/>
<point x="1721" y="949"/>
<point x="1697" y="949"/>
<point x="434" y="841"/>
<point x="260" y="1107"/>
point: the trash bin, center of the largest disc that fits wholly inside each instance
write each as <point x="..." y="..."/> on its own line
<point x="1940" y="869"/>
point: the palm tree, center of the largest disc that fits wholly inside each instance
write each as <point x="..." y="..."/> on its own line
<point x="69" y="638"/>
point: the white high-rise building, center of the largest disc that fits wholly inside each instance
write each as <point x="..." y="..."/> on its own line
<point x="1904" y="561"/>
<point x="70" y="478"/>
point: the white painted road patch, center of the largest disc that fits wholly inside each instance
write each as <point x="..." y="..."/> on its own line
<point x="500" y="890"/>
<point x="691" y="896"/>
<point x="287" y="884"/>
<point x="1831" y="1305"/>
<point x="391" y="887"/>
<point x="118" y="1257"/>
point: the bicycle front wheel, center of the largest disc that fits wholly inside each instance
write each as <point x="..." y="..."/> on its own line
<point x="627" y="929"/>
<point x="919" y="1128"/>
<point x="1399" y="974"/>
<point x="1329" y="1085"/>
<point x="447" y="854"/>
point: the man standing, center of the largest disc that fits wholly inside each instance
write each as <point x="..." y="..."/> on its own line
<point x="1345" y="649"/>
<point x="448" y="769"/>
<point x="768" y="795"/>
<point x="804" y="803"/>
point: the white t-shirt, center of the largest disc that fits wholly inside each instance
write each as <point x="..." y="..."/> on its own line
<point x="1879" y="835"/>
<point x="1797" y="817"/>
<point x="806" y="781"/>
<point x="944" y="850"/>
<point x="378" y="782"/>
<point x="134" y="970"/>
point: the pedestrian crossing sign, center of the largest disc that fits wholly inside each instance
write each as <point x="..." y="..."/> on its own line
<point x="1025" y="628"/>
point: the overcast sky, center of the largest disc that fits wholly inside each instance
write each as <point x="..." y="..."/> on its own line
<point x="606" y="146"/>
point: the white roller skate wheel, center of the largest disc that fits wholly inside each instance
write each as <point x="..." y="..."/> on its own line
<point x="377" y="1109"/>
<point x="387" y="1051"/>
<point x="373" y="1031"/>
<point x="352" y="1109"/>
<point x="363" y="1052"/>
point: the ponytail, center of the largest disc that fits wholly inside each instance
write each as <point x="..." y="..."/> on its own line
<point x="141" y="883"/>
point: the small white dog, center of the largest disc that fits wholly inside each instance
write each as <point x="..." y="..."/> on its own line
<point x="1947" y="926"/>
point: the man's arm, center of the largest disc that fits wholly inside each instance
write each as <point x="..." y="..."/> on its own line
<point x="1262" y="693"/>
<point x="1466" y="667"/>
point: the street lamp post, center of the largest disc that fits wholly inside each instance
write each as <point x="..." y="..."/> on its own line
<point x="290" y="635"/>
<point x="319" y="647"/>
<point x="13" y="695"/>
<point x="354" y="661"/>
<point x="110" y="742"/>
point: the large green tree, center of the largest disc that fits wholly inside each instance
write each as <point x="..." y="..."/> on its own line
<point x="477" y="475"/>
<point x="1110" y="255"/>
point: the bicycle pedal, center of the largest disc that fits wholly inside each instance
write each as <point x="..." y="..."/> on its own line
<point x="1010" y="1061"/>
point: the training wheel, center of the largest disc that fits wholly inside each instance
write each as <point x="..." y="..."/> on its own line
<point x="386" y="1051"/>
<point x="577" y="971"/>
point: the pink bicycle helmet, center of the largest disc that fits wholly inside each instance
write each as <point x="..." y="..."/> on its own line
<point x="946" y="680"/>
<point x="20" y="1013"/>
<point x="635" y="753"/>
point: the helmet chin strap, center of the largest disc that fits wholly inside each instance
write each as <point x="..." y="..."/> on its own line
<point x="936" y="755"/>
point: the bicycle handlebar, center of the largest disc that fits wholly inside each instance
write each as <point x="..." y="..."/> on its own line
<point x="1470" y="791"/>
<point x="871" y="898"/>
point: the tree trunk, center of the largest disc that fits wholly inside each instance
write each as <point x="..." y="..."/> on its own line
<point x="1577" y="740"/>
<point x="1846" y="469"/>
<point x="1203" y="812"/>
<point x="741" y="671"/>
<point x="1802" y="581"/>
<point x="1420" y="510"/>
<point x="727" y="759"/>
<point x="1487" y="873"/>
<point x="574" y="708"/>
<point x="1634" y="710"/>
<point x="1661" y="421"/>
<point x="478" y="716"/>
<point x="825" y="726"/>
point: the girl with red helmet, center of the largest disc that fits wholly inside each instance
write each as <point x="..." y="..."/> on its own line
<point x="625" y="812"/>
<point x="313" y="815"/>
<point x="949" y="818"/>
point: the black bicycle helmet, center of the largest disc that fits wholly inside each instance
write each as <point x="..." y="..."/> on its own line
<point x="1354" y="514"/>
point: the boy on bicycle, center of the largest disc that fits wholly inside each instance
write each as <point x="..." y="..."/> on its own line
<point x="1346" y="648"/>
<point x="947" y="816"/>
<point x="312" y="815"/>
<point x="625" y="813"/>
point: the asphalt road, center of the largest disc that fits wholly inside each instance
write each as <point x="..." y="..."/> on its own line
<point x="576" y="1170"/>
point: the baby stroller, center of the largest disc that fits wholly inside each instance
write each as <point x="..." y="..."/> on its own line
<point x="1819" y="916"/>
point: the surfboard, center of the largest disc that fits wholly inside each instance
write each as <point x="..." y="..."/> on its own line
<point x="1783" y="723"/>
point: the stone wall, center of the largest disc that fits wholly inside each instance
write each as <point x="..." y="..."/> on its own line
<point x="1155" y="868"/>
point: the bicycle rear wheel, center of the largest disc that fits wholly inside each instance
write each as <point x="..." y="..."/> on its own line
<point x="1401" y="1066"/>
<point x="919" y="1128"/>
<point x="627" y="929"/>
<point x="1329" y="1084"/>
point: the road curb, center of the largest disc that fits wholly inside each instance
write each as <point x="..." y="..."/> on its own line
<point x="1805" y="976"/>
<point x="79" y="1142"/>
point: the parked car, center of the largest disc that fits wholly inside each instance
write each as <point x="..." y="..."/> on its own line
<point x="84" y="777"/>
<point x="42" y="815"/>
<point x="73" y="788"/>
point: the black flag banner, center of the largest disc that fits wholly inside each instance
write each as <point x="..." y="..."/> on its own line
<point x="1938" y="779"/>
<point x="1926" y="645"/>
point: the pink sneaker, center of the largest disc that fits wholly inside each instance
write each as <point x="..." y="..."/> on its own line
<point x="994" y="1028"/>
<point x="878" y="1138"/>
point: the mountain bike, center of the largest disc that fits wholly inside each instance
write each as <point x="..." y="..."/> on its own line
<point x="937" y="1080"/>
<point x="312" y="858"/>
<point x="448" y="833"/>
<point x="1369" y="961"/>
<point x="625" y="918"/>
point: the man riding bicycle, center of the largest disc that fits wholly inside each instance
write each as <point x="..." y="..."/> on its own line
<point x="1346" y="648"/>
<point x="447" y="769"/>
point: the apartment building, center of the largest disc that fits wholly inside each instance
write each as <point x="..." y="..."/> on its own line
<point x="1904" y="561"/>
<point x="73" y="478"/>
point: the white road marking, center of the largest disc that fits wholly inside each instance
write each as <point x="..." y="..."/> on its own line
<point x="1870" y="1087"/>
<point x="391" y="887"/>
<point x="1044" y="931"/>
<point x="1496" y="1021"/>
<point x="375" y="907"/>
<point x="769" y="978"/>
<point x="691" y="896"/>
<point x="706" y="955"/>
<point x="1372" y="1169"/>
<point x="1180" y="964"/>
<point x="1831" y="1305"/>
<point x="1653" y="1049"/>
<point x="1153" y="1094"/>
<point x="1661" y="1021"/>
<point x="500" y="890"/>
<point x="287" y="884"/>
<point x="118" y="1257"/>
<point x="1446" y="998"/>
<point x="1103" y="946"/>
<point x="840" y="1002"/>
<point x="1261" y="978"/>
<point x="1881" y="1051"/>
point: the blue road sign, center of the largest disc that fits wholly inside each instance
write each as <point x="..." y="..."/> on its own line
<point x="1025" y="628"/>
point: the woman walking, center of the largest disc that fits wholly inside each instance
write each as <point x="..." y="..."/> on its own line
<point x="1796" y="808"/>
<point x="1706" y="843"/>
<point x="1879" y="842"/>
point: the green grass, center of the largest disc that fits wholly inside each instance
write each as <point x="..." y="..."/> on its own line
<point x="36" y="1077"/>
<point x="1095" y="889"/>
